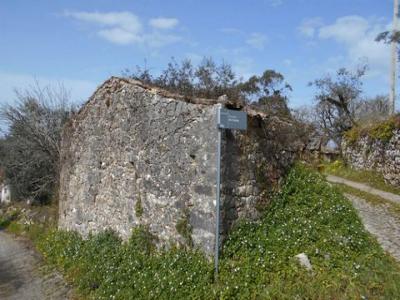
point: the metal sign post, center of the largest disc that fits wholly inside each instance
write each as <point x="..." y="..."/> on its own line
<point x="217" y="209"/>
<point x="226" y="119"/>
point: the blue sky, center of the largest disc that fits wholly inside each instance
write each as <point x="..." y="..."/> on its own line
<point x="82" y="43"/>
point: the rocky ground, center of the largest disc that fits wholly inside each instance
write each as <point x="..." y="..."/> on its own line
<point x="22" y="276"/>
<point x="379" y="220"/>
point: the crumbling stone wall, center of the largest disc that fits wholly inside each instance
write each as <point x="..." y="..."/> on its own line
<point x="135" y="155"/>
<point x="373" y="154"/>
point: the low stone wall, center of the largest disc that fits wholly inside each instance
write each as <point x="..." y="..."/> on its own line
<point x="373" y="154"/>
<point x="135" y="155"/>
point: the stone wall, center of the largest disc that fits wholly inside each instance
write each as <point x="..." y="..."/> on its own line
<point x="373" y="154"/>
<point x="135" y="155"/>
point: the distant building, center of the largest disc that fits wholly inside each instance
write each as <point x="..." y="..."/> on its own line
<point x="320" y="147"/>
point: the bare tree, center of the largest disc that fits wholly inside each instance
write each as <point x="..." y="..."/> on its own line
<point x="307" y="115"/>
<point x="336" y="98"/>
<point x="30" y="149"/>
<point x="371" y="110"/>
<point x="306" y="123"/>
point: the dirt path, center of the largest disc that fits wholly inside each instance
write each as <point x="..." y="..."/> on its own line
<point x="365" y="188"/>
<point x="380" y="222"/>
<point x="20" y="275"/>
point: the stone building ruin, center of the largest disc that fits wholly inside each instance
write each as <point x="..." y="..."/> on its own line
<point x="138" y="155"/>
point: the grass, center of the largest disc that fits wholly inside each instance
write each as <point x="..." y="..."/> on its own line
<point x="7" y="219"/>
<point x="371" y="178"/>
<point x="258" y="259"/>
<point x="372" y="199"/>
<point x="13" y="220"/>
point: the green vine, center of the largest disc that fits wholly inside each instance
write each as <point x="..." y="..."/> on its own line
<point x="139" y="207"/>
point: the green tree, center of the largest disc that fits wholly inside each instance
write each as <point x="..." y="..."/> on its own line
<point x="268" y="92"/>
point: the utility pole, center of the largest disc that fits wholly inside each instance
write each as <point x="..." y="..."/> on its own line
<point x="393" y="72"/>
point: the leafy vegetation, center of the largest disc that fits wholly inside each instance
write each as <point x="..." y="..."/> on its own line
<point x="28" y="221"/>
<point x="211" y="80"/>
<point x="370" y="178"/>
<point x="307" y="216"/>
<point x="7" y="219"/>
<point x="104" y="268"/>
<point x="382" y="131"/>
<point x="138" y="208"/>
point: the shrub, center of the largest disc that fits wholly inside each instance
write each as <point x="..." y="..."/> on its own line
<point x="382" y="131"/>
<point x="7" y="219"/>
<point x="30" y="151"/>
<point x="208" y="79"/>
<point x="353" y="135"/>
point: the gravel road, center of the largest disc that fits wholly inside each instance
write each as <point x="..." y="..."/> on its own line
<point x="21" y="277"/>
<point x="365" y="188"/>
<point x="381" y="222"/>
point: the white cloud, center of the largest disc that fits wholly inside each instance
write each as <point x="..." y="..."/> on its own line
<point x="257" y="40"/>
<point x="345" y="29"/>
<point x="125" y="28"/>
<point x="308" y="27"/>
<point x="164" y="23"/>
<point x="357" y="35"/>
<point x="120" y="36"/>
<point x="124" y="20"/>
